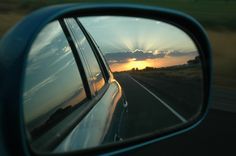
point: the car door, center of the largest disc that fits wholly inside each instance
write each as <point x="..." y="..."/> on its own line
<point x="54" y="91"/>
<point x="66" y="92"/>
<point x="106" y="97"/>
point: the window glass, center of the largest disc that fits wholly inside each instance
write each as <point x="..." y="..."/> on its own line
<point x="53" y="86"/>
<point x="83" y="46"/>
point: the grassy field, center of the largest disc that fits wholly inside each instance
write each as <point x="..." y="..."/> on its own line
<point x="182" y="72"/>
<point x="224" y="57"/>
<point x="217" y="16"/>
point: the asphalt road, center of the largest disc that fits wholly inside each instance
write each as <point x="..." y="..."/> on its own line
<point x="216" y="134"/>
<point x="146" y="113"/>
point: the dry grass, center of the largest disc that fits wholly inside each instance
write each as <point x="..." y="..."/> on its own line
<point x="224" y="57"/>
<point x="180" y="73"/>
<point x="8" y="19"/>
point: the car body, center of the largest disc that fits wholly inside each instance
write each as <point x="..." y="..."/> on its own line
<point x="96" y="101"/>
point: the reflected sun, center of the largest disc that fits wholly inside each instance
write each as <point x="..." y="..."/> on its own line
<point x="137" y="64"/>
<point x="156" y="63"/>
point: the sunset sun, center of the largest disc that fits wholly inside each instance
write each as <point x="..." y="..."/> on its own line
<point x="137" y="64"/>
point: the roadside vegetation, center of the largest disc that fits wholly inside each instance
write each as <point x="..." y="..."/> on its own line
<point x="191" y="71"/>
<point x="181" y="72"/>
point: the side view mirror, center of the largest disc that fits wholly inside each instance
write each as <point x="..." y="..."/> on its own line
<point x="101" y="79"/>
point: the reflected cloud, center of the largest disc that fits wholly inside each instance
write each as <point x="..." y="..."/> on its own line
<point x="52" y="77"/>
<point x="140" y="55"/>
<point x="179" y="54"/>
<point x="66" y="53"/>
<point x="44" y="52"/>
<point x="51" y="32"/>
<point x="38" y="86"/>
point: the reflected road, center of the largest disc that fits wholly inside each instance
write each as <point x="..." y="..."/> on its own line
<point x="146" y="113"/>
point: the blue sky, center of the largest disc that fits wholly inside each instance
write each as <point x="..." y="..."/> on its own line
<point x="116" y="34"/>
<point x="130" y="42"/>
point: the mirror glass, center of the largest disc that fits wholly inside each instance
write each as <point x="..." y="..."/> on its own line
<point x="99" y="80"/>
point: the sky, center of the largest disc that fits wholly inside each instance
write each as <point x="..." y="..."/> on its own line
<point x="130" y="42"/>
<point x="52" y="79"/>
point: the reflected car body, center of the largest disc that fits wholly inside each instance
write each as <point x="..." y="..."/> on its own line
<point x="104" y="122"/>
<point x="88" y="117"/>
<point x="100" y="125"/>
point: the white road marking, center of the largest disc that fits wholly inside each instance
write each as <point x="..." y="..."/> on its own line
<point x="159" y="99"/>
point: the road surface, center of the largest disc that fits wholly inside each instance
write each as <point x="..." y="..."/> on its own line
<point x="214" y="136"/>
<point x="147" y="112"/>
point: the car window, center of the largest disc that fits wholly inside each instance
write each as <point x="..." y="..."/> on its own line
<point x="52" y="86"/>
<point x="106" y="66"/>
<point x="95" y="74"/>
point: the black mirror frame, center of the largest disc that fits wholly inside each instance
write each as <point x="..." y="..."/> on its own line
<point x="13" y="58"/>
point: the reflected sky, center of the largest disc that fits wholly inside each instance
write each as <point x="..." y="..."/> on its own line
<point x="52" y="79"/>
<point x="136" y="42"/>
<point x="87" y="54"/>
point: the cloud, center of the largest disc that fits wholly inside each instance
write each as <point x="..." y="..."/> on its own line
<point x="38" y="86"/>
<point x="139" y="55"/>
<point x="51" y="77"/>
<point x="179" y="54"/>
<point x="52" y="31"/>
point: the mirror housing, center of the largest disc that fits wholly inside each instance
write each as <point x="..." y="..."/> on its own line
<point x="17" y="42"/>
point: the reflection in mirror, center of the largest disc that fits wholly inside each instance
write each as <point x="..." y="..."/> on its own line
<point x="157" y="85"/>
<point x="53" y="87"/>
<point x="158" y="67"/>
